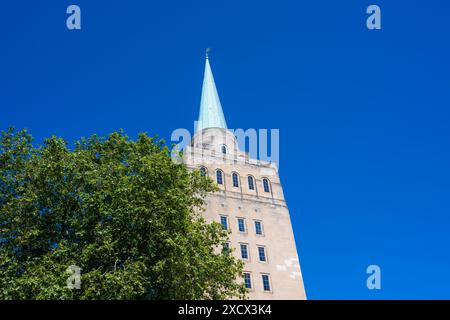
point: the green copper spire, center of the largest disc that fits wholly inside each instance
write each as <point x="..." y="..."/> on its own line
<point x="211" y="113"/>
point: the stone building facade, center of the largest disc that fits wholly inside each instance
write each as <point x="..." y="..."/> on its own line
<point x="250" y="203"/>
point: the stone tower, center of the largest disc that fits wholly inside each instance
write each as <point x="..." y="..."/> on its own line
<point x="250" y="203"/>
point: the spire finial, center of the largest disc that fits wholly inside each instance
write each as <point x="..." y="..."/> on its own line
<point x="207" y="52"/>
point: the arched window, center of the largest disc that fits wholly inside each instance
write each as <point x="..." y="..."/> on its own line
<point x="266" y="185"/>
<point x="235" y="180"/>
<point x="224" y="149"/>
<point x="219" y="177"/>
<point x="203" y="171"/>
<point x="251" y="183"/>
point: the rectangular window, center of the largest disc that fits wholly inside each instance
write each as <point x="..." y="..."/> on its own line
<point x="251" y="185"/>
<point x="224" y="222"/>
<point x="247" y="280"/>
<point x="235" y="180"/>
<point x="241" y="224"/>
<point x="226" y="248"/>
<point x="219" y="177"/>
<point x="244" y="251"/>
<point x="262" y="254"/>
<point x="266" y="282"/>
<point x="266" y="185"/>
<point x="258" y="227"/>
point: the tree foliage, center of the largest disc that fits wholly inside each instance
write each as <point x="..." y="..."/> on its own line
<point x="119" y="209"/>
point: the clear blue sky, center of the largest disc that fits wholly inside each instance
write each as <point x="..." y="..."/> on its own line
<point x="363" y="115"/>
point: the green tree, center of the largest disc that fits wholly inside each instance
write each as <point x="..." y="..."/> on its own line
<point x="119" y="209"/>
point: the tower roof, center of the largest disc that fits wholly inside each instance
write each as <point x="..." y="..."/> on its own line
<point x="211" y="113"/>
